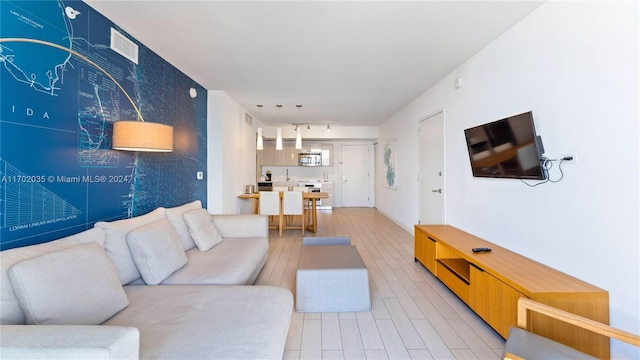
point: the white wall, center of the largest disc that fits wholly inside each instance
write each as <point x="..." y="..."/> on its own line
<point x="231" y="155"/>
<point x="575" y="65"/>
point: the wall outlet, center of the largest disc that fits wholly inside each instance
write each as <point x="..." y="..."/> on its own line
<point x="199" y="175"/>
<point x="572" y="161"/>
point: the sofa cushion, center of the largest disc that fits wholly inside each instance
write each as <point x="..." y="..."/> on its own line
<point x="116" y="242"/>
<point x="174" y="215"/>
<point x="201" y="228"/>
<point x="10" y="311"/>
<point x="208" y="322"/>
<point x="75" y="286"/>
<point x="232" y="262"/>
<point x="156" y="250"/>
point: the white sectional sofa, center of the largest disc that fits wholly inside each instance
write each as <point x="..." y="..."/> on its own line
<point x="172" y="284"/>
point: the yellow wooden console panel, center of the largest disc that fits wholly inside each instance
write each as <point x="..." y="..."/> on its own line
<point x="492" y="282"/>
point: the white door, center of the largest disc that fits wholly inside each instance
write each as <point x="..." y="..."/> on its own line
<point x="432" y="170"/>
<point x="355" y="175"/>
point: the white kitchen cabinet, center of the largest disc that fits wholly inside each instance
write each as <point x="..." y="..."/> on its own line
<point x="328" y="188"/>
<point x="326" y="151"/>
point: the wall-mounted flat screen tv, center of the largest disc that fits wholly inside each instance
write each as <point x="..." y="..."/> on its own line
<point x="506" y="148"/>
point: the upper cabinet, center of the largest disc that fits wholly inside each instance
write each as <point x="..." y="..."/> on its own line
<point x="280" y="156"/>
<point x="327" y="154"/>
<point x="267" y="154"/>
<point x="288" y="156"/>
<point x="291" y="154"/>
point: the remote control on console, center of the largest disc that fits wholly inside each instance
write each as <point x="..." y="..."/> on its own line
<point x="481" y="249"/>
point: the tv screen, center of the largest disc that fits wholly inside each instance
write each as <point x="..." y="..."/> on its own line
<point x="507" y="148"/>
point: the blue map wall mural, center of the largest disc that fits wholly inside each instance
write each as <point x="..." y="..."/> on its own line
<point x="58" y="173"/>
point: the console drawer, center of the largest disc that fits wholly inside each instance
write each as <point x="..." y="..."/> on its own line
<point x="454" y="282"/>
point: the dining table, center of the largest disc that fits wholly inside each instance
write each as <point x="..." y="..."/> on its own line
<point x="311" y="196"/>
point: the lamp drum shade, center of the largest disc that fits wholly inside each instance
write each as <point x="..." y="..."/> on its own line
<point x="142" y="136"/>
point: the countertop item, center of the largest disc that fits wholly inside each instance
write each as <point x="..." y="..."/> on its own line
<point x="265" y="186"/>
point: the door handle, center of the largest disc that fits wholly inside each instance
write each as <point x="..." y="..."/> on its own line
<point x="437" y="191"/>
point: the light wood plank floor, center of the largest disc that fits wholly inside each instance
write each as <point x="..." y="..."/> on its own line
<point x="413" y="315"/>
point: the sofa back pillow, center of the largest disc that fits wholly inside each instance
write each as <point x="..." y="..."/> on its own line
<point x="10" y="311"/>
<point x="156" y="250"/>
<point x="201" y="228"/>
<point x="75" y="286"/>
<point x="116" y="242"/>
<point x="174" y="215"/>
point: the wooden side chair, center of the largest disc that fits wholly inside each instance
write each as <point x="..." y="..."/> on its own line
<point x="292" y="205"/>
<point x="269" y="204"/>
<point x="306" y="204"/>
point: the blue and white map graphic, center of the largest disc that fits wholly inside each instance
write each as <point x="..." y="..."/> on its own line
<point x="58" y="173"/>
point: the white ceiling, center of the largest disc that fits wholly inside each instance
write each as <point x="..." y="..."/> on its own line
<point x="347" y="62"/>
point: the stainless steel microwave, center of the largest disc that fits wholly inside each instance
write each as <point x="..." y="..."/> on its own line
<point x="309" y="159"/>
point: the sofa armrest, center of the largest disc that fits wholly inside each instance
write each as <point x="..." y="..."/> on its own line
<point x="69" y="342"/>
<point x="241" y="225"/>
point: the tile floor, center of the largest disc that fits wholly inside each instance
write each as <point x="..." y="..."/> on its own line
<point x="413" y="315"/>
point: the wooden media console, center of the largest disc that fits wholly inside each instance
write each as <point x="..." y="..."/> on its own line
<point x="491" y="283"/>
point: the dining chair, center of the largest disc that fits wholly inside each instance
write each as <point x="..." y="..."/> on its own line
<point x="292" y="205"/>
<point x="306" y="204"/>
<point x="269" y="204"/>
<point x="281" y="189"/>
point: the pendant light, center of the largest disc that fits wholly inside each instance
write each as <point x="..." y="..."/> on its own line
<point x="279" y="139"/>
<point x="298" y="138"/>
<point x="259" y="144"/>
<point x="298" y="131"/>
<point x="279" y="136"/>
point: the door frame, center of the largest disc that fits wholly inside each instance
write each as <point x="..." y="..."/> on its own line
<point x="444" y="164"/>
<point x="375" y="174"/>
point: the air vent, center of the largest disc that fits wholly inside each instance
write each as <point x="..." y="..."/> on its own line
<point x="248" y="119"/>
<point x="124" y="46"/>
